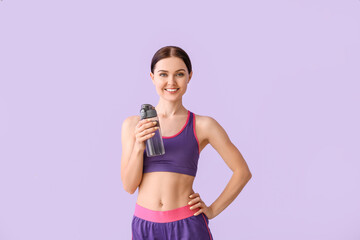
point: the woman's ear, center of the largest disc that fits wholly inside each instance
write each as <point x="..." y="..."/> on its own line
<point x="152" y="77"/>
<point x="190" y="75"/>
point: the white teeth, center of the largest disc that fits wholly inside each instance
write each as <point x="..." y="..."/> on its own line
<point x="171" y="90"/>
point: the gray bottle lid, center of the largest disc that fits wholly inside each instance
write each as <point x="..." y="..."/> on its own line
<point x="147" y="111"/>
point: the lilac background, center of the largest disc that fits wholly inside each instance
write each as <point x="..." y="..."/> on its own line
<point x="281" y="77"/>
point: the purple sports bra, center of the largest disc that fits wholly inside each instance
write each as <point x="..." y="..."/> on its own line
<point x="181" y="152"/>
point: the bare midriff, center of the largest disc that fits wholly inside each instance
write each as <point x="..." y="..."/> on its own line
<point x="163" y="191"/>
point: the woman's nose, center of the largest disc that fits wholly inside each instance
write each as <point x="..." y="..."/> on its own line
<point x="171" y="79"/>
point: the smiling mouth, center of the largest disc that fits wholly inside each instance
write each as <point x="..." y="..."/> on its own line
<point x="172" y="89"/>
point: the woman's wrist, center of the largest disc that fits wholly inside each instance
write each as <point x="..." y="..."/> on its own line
<point x="139" y="147"/>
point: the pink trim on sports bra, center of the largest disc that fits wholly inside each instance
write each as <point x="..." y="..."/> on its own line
<point x="187" y="120"/>
<point x="197" y="140"/>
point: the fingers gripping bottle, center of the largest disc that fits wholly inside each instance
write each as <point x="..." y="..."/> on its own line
<point x="154" y="145"/>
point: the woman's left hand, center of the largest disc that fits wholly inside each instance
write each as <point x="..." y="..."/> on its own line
<point x="196" y="202"/>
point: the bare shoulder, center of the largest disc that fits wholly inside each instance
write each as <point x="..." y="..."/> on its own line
<point x="204" y="119"/>
<point x="211" y="129"/>
<point x="128" y="128"/>
<point x="204" y="123"/>
<point x="207" y="130"/>
<point x="130" y="121"/>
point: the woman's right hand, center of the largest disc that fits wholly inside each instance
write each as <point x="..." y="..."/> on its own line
<point x="144" y="130"/>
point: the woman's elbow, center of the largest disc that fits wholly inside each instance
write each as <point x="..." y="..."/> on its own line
<point x="247" y="174"/>
<point x="129" y="189"/>
<point x="244" y="174"/>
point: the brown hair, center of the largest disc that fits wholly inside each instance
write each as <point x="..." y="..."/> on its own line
<point x="171" y="51"/>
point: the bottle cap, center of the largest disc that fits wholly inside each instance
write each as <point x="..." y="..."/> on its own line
<point x="147" y="111"/>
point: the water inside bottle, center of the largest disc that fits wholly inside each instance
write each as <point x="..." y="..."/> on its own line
<point x="154" y="145"/>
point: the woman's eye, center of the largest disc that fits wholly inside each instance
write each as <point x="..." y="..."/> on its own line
<point x="161" y="74"/>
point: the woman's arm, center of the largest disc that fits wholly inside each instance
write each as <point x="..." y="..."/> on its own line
<point x="220" y="141"/>
<point x="131" y="157"/>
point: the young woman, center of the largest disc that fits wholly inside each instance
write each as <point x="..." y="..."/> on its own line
<point x="167" y="207"/>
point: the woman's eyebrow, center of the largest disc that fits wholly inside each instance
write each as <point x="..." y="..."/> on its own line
<point x="167" y="71"/>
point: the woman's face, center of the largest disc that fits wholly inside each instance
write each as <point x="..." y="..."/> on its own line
<point x="170" y="73"/>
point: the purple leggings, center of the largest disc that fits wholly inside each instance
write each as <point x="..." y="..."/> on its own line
<point x="176" y="224"/>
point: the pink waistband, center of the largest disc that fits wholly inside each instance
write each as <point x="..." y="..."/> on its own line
<point x="164" y="216"/>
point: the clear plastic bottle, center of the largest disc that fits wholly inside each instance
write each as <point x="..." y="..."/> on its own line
<point x="155" y="144"/>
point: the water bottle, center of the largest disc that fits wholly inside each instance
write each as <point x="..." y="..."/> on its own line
<point x="154" y="145"/>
